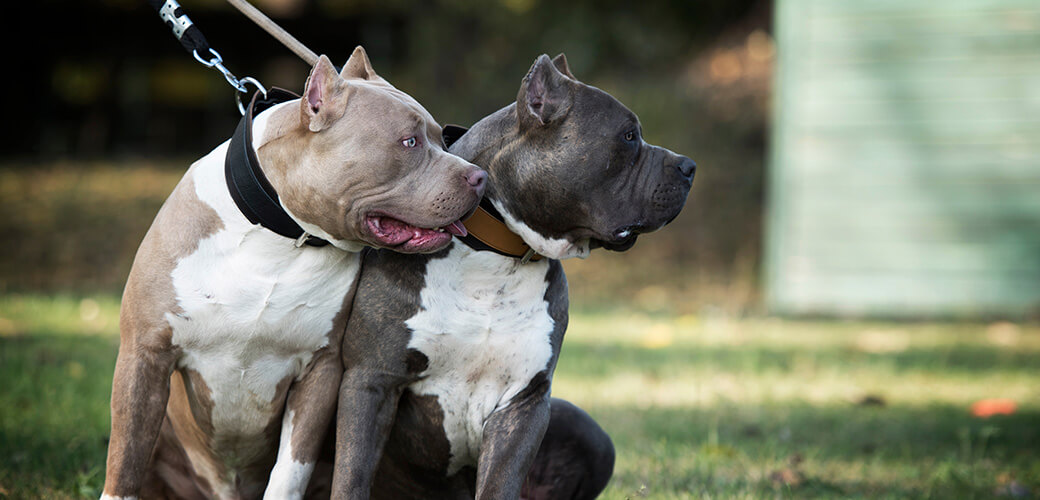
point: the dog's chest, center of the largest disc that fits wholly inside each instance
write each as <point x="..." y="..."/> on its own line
<point x="485" y="328"/>
<point x="253" y="310"/>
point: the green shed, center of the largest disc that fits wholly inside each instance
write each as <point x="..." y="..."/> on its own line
<point x="904" y="177"/>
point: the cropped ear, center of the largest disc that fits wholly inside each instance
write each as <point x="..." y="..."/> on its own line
<point x="560" y="62"/>
<point x="358" y="66"/>
<point x="545" y="94"/>
<point x="324" y="96"/>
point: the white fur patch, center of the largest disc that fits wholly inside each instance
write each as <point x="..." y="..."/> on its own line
<point x="254" y="310"/>
<point x="554" y="248"/>
<point x="289" y="478"/>
<point x="314" y="230"/>
<point x="486" y="329"/>
<point x="105" y="496"/>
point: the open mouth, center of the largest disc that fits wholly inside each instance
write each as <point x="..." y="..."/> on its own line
<point x="616" y="245"/>
<point x="401" y="236"/>
<point x="622" y="238"/>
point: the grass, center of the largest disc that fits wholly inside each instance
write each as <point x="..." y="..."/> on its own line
<point x="718" y="408"/>
<point x="56" y="361"/>
<point x="698" y="407"/>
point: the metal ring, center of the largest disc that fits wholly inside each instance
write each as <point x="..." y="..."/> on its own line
<point x="242" y="90"/>
<point x="209" y="64"/>
<point x="239" y="84"/>
<point x="255" y="83"/>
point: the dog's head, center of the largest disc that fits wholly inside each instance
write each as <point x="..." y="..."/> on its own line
<point x="581" y="176"/>
<point x="364" y="164"/>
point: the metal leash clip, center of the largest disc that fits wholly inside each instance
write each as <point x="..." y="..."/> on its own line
<point x="238" y="83"/>
<point x="527" y="256"/>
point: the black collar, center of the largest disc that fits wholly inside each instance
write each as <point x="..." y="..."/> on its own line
<point x="249" y="187"/>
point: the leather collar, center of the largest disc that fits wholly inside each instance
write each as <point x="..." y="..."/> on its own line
<point x="486" y="229"/>
<point x="488" y="232"/>
<point x="249" y="187"/>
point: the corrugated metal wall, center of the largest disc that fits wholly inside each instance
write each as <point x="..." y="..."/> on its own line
<point x="905" y="167"/>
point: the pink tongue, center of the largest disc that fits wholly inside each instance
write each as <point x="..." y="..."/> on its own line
<point x="457" y="229"/>
<point x="394" y="231"/>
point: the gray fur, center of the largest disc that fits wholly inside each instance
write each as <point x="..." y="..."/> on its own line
<point x="560" y="163"/>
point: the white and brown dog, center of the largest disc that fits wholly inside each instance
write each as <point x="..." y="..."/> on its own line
<point x="229" y="359"/>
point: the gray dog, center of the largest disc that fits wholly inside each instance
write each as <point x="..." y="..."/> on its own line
<point x="449" y="357"/>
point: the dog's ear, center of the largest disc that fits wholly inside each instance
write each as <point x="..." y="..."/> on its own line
<point x="358" y="66"/>
<point x="560" y="62"/>
<point x="545" y="94"/>
<point x="324" y="96"/>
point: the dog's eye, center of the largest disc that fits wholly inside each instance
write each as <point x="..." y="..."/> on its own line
<point x="409" y="142"/>
<point x="630" y="135"/>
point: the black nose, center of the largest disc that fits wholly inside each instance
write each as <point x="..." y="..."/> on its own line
<point x="686" y="167"/>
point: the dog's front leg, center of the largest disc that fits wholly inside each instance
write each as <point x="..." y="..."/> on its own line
<point x="367" y="405"/>
<point x="140" y="391"/>
<point x="575" y="460"/>
<point x="308" y="412"/>
<point x="511" y="439"/>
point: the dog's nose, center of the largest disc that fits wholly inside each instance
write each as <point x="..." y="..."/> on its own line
<point x="687" y="167"/>
<point x="478" y="179"/>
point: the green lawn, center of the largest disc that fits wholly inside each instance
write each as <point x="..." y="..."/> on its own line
<point x="698" y="407"/>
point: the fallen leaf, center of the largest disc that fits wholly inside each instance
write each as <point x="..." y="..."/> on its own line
<point x="787" y="477"/>
<point x="985" y="408"/>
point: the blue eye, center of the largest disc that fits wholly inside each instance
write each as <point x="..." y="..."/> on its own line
<point x="409" y="142"/>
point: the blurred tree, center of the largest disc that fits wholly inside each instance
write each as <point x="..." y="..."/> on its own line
<point x="109" y="82"/>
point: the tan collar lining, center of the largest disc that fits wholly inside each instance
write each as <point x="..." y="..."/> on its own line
<point x="494" y="233"/>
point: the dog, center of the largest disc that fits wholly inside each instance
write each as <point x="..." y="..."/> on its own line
<point x="232" y="316"/>
<point x="448" y="358"/>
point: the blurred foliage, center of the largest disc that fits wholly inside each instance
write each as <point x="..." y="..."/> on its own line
<point x="115" y="108"/>
<point x="76" y="226"/>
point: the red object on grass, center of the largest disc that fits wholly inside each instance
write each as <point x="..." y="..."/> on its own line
<point x="985" y="408"/>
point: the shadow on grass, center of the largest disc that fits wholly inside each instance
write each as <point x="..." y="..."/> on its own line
<point x="583" y="358"/>
<point x="807" y="451"/>
<point x="54" y="414"/>
<point x="922" y="447"/>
